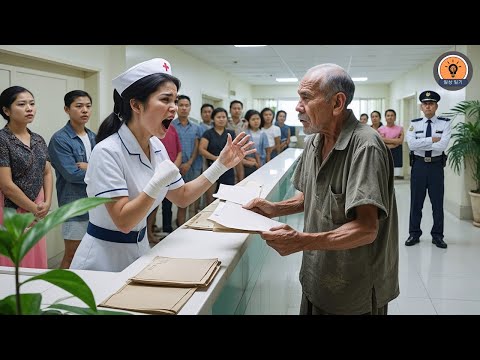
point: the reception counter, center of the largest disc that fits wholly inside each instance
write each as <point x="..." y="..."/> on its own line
<point x="241" y="256"/>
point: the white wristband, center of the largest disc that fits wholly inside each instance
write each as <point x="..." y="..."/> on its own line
<point x="165" y="173"/>
<point x="215" y="171"/>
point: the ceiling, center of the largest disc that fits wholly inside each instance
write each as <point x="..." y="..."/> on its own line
<point x="261" y="65"/>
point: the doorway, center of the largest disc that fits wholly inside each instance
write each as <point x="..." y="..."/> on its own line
<point x="410" y="111"/>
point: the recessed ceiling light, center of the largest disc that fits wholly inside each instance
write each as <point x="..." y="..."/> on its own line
<point x="286" y="79"/>
<point x="249" y="45"/>
<point x="360" y="78"/>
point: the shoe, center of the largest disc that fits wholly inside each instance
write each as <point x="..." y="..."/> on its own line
<point x="412" y="241"/>
<point x="439" y="243"/>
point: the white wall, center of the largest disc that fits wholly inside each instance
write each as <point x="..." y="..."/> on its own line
<point x="197" y="78"/>
<point x="457" y="200"/>
<point x="108" y="61"/>
<point x="103" y="59"/>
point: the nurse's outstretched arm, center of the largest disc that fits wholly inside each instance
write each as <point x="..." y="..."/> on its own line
<point x="233" y="152"/>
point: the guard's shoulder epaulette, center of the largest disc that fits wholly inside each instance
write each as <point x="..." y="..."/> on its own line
<point x="443" y="118"/>
<point x="415" y="120"/>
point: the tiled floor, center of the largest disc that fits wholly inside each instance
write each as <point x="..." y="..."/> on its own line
<point x="432" y="280"/>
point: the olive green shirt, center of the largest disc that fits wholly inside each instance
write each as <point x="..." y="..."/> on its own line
<point x="358" y="171"/>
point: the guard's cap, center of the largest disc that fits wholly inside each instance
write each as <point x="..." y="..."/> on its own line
<point x="139" y="71"/>
<point x="429" y="96"/>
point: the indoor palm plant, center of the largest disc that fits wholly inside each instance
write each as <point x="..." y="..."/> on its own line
<point x="17" y="238"/>
<point x="465" y="150"/>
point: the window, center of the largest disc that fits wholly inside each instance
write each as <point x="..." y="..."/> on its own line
<point x="260" y="104"/>
<point x="360" y="106"/>
<point x="289" y="107"/>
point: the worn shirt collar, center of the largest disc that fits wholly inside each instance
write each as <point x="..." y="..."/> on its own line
<point x="345" y="135"/>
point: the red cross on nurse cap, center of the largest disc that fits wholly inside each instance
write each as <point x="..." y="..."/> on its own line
<point x="139" y="71"/>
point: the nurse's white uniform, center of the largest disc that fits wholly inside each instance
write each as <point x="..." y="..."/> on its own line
<point x="118" y="167"/>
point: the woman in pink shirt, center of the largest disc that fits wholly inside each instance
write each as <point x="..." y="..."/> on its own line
<point x="393" y="136"/>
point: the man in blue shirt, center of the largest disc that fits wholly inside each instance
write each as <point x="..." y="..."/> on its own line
<point x="191" y="167"/>
<point x="69" y="150"/>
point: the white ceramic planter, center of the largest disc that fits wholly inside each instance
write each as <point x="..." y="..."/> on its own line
<point x="475" y="197"/>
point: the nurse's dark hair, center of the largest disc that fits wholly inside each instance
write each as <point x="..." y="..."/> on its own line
<point x="140" y="90"/>
<point x="8" y="96"/>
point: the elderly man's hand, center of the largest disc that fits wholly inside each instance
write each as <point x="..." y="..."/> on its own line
<point x="283" y="239"/>
<point x="261" y="206"/>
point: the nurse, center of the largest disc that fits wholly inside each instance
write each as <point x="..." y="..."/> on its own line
<point x="131" y="165"/>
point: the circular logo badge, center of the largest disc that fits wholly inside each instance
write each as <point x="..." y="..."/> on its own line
<point x="453" y="70"/>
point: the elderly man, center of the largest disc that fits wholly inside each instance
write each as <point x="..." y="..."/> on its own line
<point x="345" y="183"/>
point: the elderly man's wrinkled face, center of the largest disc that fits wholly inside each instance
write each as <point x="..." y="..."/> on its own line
<point x="314" y="110"/>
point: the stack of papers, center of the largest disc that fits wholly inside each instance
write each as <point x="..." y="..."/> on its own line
<point x="149" y="299"/>
<point x="200" y="221"/>
<point x="178" y="272"/>
<point x="164" y="285"/>
<point x="238" y="194"/>
<point x="231" y="217"/>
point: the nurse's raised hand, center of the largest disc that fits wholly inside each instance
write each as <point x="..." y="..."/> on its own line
<point x="235" y="150"/>
<point x="165" y="173"/>
<point x="232" y="153"/>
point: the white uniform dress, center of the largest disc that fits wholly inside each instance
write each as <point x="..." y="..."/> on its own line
<point x="118" y="167"/>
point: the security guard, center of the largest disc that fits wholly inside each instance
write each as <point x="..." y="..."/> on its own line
<point x="427" y="139"/>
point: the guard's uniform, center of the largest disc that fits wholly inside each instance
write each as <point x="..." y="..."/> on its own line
<point x="427" y="170"/>
<point x="118" y="167"/>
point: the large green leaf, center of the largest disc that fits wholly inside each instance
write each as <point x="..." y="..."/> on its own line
<point x="6" y="243"/>
<point x="16" y="223"/>
<point x="30" y="304"/>
<point x="75" y="208"/>
<point x="465" y="150"/>
<point x="68" y="281"/>
<point x="85" y="311"/>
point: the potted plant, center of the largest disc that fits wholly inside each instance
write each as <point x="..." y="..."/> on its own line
<point x="466" y="148"/>
<point x="17" y="238"/>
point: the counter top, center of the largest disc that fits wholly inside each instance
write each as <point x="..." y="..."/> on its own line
<point x="182" y="243"/>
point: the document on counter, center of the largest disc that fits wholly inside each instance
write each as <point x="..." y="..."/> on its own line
<point x="149" y="299"/>
<point x="238" y="194"/>
<point x="235" y="217"/>
<point x="179" y="272"/>
<point x="200" y="221"/>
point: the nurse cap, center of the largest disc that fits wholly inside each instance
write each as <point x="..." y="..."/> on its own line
<point x="139" y="71"/>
